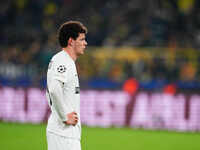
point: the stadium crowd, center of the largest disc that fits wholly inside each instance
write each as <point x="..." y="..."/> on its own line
<point x="29" y="39"/>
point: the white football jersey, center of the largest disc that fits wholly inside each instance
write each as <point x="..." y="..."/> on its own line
<point x="63" y="68"/>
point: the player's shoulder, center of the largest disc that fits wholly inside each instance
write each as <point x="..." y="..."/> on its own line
<point x="61" y="62"/>
<point x="60" y="58"/>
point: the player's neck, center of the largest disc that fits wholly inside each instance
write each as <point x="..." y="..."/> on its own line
<point x="70" y="52"/>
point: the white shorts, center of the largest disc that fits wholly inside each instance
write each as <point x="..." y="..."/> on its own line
<point x="57" y="142"/>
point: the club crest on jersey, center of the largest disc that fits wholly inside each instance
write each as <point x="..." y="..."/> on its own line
<point x="61" y="69"/>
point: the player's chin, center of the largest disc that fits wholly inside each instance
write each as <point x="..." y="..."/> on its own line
<point x="81" y="53"/>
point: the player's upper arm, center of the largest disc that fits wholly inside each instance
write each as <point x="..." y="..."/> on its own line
<point x="61" y="71"/>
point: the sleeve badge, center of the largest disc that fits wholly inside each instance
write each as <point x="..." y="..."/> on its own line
<point x="61" y="69"/>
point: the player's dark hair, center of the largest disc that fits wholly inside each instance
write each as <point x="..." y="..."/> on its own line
<point x="70" y="29"/>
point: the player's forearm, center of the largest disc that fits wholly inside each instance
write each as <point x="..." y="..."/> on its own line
<point x="56" y="92"/>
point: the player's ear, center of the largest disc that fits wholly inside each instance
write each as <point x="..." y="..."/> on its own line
<point x="70" y="41"/>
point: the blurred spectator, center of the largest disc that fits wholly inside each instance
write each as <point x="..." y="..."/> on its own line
<point x="28" y="38"/>
<point x="130" y="86"/>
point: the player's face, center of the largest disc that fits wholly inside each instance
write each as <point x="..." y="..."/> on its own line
<point x="80" y="44"/>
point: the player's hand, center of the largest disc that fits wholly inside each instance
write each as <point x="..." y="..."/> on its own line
<point x="72" y="118"/>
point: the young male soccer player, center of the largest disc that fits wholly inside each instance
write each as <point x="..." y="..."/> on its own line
<point x="64" y="126"/>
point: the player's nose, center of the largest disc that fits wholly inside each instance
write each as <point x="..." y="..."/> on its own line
<point x="86" y="43"/>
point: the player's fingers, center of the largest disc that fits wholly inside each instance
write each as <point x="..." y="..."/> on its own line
<point x="76" y="117"/>
<point x="75" y="120"/>
<point x="74" y="123"/>
<point x="74" y="113"/>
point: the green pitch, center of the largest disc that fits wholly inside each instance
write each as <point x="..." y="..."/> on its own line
<point x="32" y="137"/>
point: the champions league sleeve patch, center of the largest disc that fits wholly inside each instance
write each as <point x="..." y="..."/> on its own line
<point x="61" y="69"/>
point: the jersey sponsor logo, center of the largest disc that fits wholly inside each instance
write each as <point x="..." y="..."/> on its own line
<point x="77" y="90"/>
<point x="61" y="69"/>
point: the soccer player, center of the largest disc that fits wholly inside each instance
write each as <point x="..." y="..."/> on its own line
<point x="64" y="125"/>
